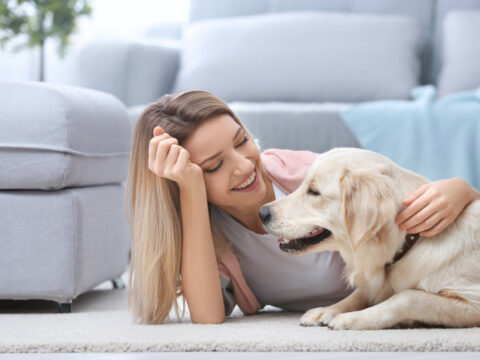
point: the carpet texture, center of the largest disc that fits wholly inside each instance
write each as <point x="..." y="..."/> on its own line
<point x="100" y="322"/>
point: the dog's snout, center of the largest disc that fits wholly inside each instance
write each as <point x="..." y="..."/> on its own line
<point x="265" y="214"/>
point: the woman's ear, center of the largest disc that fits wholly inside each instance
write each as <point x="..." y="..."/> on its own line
<point x="368" y="204"/>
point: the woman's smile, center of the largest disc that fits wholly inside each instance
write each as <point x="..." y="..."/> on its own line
<point x="250" y="184"/>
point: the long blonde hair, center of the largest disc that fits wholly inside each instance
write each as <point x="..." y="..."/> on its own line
<point x="154" y="205"/>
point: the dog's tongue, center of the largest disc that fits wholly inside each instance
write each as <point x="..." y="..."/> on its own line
<point x="319" y="231"/>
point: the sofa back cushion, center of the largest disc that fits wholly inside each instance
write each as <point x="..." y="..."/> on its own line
<point x="460" y="52"/>
<point x="302" y="56"/>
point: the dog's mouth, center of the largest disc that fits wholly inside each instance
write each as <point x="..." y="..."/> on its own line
<point x="312" y="238"/>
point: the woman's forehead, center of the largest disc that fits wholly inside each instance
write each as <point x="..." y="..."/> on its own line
<point x="211" y="137"/>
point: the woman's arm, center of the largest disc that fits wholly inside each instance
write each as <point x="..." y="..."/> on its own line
<point x="476" y="194"/>
<point x="200" y="275"/>
<point x="434" y="206"/>
<point x="199" y="269"/>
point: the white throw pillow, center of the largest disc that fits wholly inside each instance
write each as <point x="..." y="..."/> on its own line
<point x="302" y="56"/>
<point x="460" y="52"/>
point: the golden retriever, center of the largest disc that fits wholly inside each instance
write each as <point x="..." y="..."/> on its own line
<point x="348" y="202"/>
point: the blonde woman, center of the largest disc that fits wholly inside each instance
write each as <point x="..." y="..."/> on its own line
<point x="195" y="184"/>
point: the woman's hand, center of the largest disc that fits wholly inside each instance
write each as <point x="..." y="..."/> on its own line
<point x="169" y="160"/>
<point x="434" y="206"/>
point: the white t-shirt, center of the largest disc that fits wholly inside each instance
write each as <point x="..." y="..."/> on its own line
<point x="294" y="283"/>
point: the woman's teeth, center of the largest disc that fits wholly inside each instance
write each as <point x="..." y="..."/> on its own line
<point x="247" y="182"/>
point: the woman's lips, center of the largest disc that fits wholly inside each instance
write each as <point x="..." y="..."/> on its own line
<point x="246" y="178"/>
<point x="253" y="186"/>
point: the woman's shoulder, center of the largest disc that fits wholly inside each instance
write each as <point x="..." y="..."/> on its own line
<point x="287" y="168"/>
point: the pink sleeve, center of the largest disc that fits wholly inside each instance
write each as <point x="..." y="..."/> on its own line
<point x="287" y="167"/>
<point x="229" y="267"/>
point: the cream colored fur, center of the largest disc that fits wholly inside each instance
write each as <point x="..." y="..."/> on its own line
<point x="436" y="282"/>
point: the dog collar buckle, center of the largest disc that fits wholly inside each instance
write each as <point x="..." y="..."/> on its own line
<point x="410" y="240"/>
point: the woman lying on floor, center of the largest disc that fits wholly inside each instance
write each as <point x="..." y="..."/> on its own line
<point x="196" y="182"/>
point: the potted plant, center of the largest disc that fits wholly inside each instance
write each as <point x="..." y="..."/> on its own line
<point x="39" y="20"/>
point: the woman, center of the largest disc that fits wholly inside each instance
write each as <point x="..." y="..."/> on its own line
<point x="196" y="179"/>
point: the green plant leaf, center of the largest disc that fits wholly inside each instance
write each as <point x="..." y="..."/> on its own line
<point x="40" y="20"/>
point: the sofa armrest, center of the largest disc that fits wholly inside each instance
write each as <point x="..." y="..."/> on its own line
<point x="136" y="73"/>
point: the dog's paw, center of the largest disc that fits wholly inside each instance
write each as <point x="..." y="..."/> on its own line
<point x="318" y="316"/>
<point x="354" y="320"/>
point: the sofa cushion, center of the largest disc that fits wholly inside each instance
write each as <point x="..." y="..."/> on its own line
<point x="55" y="136"/>
<point x="302" y="56"/>
<point x="460" y="52"/>
<point x="296" y="126"/>
<point x="56" y="245"/>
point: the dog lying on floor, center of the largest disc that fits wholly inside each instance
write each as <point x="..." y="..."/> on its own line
<point x="348" y="202"/>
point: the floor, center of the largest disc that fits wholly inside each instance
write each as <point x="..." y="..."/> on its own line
<point x="238" y="355"/>
<point x="244" y="355"/>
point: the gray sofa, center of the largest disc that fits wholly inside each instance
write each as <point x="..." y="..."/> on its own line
<point x="286" y="98"/>
<point x="64" y="155"/>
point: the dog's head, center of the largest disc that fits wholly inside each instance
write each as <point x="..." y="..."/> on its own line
<point x="346" y="198"/>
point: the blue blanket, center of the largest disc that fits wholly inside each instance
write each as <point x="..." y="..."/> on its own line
<point x="437" y="138"/>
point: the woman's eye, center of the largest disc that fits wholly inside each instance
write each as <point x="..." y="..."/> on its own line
<point x="245" y="139"/>
<point x="215" y="169"/>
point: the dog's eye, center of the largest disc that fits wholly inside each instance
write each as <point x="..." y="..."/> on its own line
<point x="313" y="192"/>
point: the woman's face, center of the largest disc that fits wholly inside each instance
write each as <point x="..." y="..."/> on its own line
<point x="228" y="158"/>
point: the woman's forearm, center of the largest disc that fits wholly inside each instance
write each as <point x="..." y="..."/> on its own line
<point x="475" y="194"/>
<point x="200" y="275"/>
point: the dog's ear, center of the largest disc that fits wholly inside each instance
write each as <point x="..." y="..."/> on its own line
<point x="368" y="201"/>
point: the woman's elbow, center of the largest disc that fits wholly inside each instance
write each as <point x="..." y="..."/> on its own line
<point x="218" y="320"/>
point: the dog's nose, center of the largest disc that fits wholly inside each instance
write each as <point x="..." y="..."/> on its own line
<point x="265" y="214"/>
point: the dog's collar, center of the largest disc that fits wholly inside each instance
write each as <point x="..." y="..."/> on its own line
<point x="410" y="240"/>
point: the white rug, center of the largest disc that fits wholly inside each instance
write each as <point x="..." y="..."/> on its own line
<point x="100" y="322"/>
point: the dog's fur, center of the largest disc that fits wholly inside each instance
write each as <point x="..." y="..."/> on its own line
<point x="437" y="282"/>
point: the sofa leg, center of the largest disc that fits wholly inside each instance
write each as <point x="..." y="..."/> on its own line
<point x="65" y="307"/>
<point x="118" y="283"/>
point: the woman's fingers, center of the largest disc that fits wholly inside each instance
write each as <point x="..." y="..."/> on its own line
<point x="157" y="160"/>
<point x="411" y="210"/>
<point x="437" y="207"/>
<point x="167" y="159"/>
<point x="162" y="150"/>
<point x="437" y="228"/>
<point x="420" y="217"/>
<point x="183" y="158"/>
<point x="157" y="130"/>
<point x="171" y="158"/>
<point x="427" y="219"/>
<point x="414" y="195"/>
<point x="153" y="147"/>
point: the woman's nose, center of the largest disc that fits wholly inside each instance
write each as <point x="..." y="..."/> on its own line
<point x="244" y="166"/>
